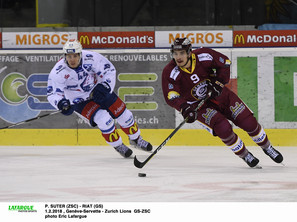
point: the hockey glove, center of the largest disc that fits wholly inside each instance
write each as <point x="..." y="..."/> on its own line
<point x="215" y="87"/>
<point x="65" y="106"/>
<point x="100" y="92"/>
<point x="189" y="113"/>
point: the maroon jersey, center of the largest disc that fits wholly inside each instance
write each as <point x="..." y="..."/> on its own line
<point x="181" y="85"/>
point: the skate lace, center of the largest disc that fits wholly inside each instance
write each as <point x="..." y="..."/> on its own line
<point x="249" y="158"/>
<point x="121" y="148"/>
<point x="142" y="143"/>
<point x="271" y="152"/>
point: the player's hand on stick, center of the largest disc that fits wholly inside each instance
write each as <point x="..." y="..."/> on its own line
<point x="100" y="92"/>
<point x="215" y="87"/>
<point x="189" y="113"/>
<point x="65" y="107"/>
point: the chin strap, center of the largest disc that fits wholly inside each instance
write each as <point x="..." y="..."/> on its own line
<point x="183" y="67"/>
<point x="189" y="59"/>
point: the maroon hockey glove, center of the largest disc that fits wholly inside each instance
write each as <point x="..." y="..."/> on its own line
<point x="188" y="112"/>
<point x="215" y="87"/>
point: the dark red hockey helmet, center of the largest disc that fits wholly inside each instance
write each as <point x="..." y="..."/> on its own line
<point x="181" y="44"/>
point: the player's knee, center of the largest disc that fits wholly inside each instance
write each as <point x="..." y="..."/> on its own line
<point x="248" y="124"/>
<point x="126" y="119"/>
<point x="223" y="129"/>
<point x="103" y="120"/>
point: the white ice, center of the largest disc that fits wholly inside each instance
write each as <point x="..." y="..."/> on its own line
<point x="175" y="174"/>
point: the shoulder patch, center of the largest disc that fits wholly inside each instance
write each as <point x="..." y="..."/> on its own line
<point x="227" y="62"/>
<point x="172" y="95"/>
<point x="174" y="73"/>
<point x="204" y="57"/>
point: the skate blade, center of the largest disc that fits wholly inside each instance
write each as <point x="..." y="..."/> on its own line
<point x="257" y="167"/>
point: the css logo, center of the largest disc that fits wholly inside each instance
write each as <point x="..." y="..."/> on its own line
<point x="134" y="91"/>
<point x="20" y="96"/>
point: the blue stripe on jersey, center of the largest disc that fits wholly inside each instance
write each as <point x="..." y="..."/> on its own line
<point x="111" y="129"/>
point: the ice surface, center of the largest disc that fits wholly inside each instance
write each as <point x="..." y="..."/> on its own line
<point x="175" y="174"/>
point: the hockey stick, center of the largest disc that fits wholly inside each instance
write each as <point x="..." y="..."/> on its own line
<point x="29" y="120"/>
<point x="139" y="164"/>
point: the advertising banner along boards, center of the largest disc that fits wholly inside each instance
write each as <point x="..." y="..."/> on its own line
<point x="271" y="38"/>
<point x="117" y="39"/>
<point x="24" y="86"/>
<point x="33" y="40"/>
<point x="211" y="38"/>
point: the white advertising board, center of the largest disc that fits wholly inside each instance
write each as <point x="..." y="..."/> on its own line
<point x="198" y="38"/>
<point x="19" y="40"/>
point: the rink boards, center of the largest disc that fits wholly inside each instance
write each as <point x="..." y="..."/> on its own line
<point x="92" y="137"/>
<point x="265" y="79"/>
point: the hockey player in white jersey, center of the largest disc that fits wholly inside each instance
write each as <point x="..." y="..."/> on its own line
<point x="83" y="82"/>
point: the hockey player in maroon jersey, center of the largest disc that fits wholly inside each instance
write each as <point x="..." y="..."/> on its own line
<point x="192" y="76"/>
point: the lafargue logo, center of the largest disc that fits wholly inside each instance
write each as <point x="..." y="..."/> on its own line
<point x="23" y="97"/>
<point x="22" y="208"/>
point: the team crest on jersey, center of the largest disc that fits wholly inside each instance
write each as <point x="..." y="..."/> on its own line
<point x="199" y="91"/>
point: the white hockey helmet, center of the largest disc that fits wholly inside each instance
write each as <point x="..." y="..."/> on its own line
<point x="72" y="46"/>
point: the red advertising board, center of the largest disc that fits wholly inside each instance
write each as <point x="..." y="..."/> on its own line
<point x="0" y="40"/>
<point x="267" y="38"/>
<point x="117" y="39"/>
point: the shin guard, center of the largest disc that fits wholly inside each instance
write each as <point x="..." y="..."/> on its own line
<point x="132" y="131"/>
<point x="238" y="148"/>
<point x="113" y="138"/>
<point x="259" y="137"/>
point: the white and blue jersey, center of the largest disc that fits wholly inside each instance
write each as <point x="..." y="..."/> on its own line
<point x="77" y="84"/>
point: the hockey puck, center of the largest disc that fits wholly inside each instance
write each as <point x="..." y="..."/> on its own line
<point x="141" y="174"/>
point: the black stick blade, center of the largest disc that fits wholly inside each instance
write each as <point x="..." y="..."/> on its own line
<point x="137" y="163"/>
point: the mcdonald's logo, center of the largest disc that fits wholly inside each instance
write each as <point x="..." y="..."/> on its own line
<point x="133" y="129"/>
<point x="239" y="39"/>
<point x="114" y="136"/>
<point x="84" y="39"/>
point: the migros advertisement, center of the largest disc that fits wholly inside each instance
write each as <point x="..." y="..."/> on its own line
<point x="35" y="40"/>
<point x="198" y="38"/>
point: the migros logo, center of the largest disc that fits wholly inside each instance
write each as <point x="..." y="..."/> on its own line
<point x="199" y="37"/>
<point x="239" y="39"/>
<point x="41" y="39"/>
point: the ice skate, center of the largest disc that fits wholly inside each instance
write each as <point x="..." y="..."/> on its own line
<point x="140" y="143"/>
<point x="124" y="150"/>
<point x="273" y="154"/>
<point x="251" y="160"/>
